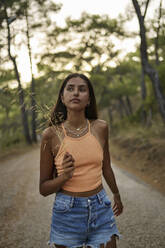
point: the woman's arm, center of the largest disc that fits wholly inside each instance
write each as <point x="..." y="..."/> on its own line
<point x="109" y="174"/>
<point x="48" y="185"/>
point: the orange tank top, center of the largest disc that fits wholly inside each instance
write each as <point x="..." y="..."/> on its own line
<point x="88" y="155"/>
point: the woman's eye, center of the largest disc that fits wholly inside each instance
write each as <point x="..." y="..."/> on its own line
<point x="82" y="89"/>
<point x="70" y="89"/>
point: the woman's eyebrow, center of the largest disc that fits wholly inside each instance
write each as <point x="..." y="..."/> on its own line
<point x="78" y="85"/>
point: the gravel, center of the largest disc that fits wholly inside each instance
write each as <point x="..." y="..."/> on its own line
<point x="25" y="215"/>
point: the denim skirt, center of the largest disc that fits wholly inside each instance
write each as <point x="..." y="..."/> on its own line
<point x="82" y="221"/>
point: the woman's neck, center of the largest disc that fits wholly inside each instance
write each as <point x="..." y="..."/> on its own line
<point x="76" y="120"/>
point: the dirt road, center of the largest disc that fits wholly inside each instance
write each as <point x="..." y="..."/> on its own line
<point x="25" y="215"/>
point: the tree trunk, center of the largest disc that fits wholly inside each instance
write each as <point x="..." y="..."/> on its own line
<point x="20" y="90"/>
<point x="120" y="109"/>
<point x="7" y="113"/>
<point x="33" y="102"/>
<point x="110" y="116"/>
<point x="123" y="106"/>
<point x="148" y="69"/>
<point x="143" y="94"/>
<point x="129" y="105"/>
<point x="157" y="35"/>
<point x="149" y="117"/>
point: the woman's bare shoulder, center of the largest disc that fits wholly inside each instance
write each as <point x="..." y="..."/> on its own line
<point x="50" y="132"/>
<point x="99" y="123"/>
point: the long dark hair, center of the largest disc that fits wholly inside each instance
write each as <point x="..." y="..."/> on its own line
<point x="59" y="112"/>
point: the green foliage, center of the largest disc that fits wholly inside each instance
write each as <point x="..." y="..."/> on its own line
<point x="10" y="121"/>
<point x="61" y="54"/>
<point x="100" y="87"/>
<point x="11" y="133"/>
<point x="125" y="80"/>
<point x="84" y="45"/>
<point x="99" y="24"/>
<point x="6" y="76"/>
<point x="161" y="70"/>
<point x="47" y="89"/>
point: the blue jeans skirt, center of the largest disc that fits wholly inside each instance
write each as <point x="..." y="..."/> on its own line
<point x="82" y="221"/>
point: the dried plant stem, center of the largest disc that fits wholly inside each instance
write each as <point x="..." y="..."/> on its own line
<point x="54" y="126"/>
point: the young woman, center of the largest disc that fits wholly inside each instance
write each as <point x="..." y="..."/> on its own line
<point x="77" y="147"/>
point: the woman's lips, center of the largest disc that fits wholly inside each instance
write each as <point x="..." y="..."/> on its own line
<point x="75" y="100"/>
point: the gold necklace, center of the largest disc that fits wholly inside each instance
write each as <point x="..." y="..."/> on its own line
<point x="78" y="134"/>
<point x="77" y="129"/>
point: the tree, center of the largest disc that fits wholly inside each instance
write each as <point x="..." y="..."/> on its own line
<point x="9" y="19"/>
<point x="43" y="9"/>
<point x="86" y="41"/>
<point x="157" y="29"/>
<point x="148" y="69"/>
<point x="33" y="103"/>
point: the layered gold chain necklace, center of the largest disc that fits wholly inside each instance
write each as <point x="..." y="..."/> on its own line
<point x="80" y="130"/>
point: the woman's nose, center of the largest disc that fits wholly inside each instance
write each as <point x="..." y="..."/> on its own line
<point x="76" y="92"/>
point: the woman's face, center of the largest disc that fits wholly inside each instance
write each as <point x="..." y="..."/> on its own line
<point x="76" y="94"/>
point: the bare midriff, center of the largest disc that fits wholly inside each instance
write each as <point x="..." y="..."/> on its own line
<point x="83" y="194"/>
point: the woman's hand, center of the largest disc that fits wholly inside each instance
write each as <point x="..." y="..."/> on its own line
<point x="68" y="165"/>
<point x="118" y="206"/>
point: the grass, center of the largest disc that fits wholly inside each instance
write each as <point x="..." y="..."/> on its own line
<point x="140" y="150"/>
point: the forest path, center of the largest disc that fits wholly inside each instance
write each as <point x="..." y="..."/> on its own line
<point x="26" y="215"/>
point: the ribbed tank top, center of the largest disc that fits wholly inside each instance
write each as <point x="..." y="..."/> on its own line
<point x="88" y="155"/>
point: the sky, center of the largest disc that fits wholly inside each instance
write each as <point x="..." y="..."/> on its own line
<point x="74" y="8"/>
<point x="112" y="8"/>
